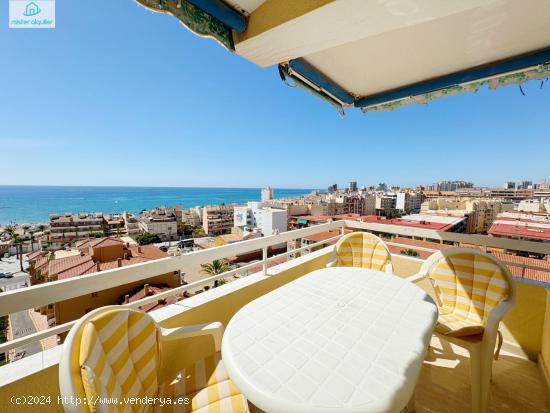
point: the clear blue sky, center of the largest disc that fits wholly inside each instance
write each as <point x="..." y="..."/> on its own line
<point x="117" y="95"/>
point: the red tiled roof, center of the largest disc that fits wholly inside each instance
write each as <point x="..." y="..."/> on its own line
<point x="32" y="255"/>
<point x="83" y="264"/>
<point x="148" y="252"/>
<point x="416" y="243"/>
<point x="153" y="290"/>
<point x="527" y="273"/>
<point x="98" y="242"/>
<point x="427" y="224"/>
<point x="321" y="236"/>
<point x="312" y="218"/>
<point x="519" y="231"/>
<point x="270" y="264"/>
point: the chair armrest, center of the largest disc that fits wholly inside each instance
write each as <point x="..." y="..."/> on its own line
<point x="415" y="277"/>
<point x="214" y="329"/>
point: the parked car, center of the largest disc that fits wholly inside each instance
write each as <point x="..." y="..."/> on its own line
<point x="6" y="275"/>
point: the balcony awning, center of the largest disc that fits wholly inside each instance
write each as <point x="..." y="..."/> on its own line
<point x="380" y="55"/>
<point x="302" y="221"/>
<point x="206" y="18"/>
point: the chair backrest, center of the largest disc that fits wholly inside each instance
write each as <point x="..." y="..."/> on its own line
<point x="469" y="282"/>
<point x="362" y="249"/>
<point x="112" y="352"/>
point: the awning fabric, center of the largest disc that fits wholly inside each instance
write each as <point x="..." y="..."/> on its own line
<point x="195" y="19"/>
<point x="540" y="72"/>
<point x="302" y="221"/>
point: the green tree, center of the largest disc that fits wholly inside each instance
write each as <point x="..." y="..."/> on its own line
<point x="410" y="252"/>
<point x="147" y="238"/>
<point x="216" y="267"/>
<point x="198" y="232"/>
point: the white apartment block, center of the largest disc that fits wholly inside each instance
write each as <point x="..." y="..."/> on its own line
<point x="410" y="202"/>
<point x="267" y="194"/>
<point x="268" y="220"/>
<point x="161" y="221"/>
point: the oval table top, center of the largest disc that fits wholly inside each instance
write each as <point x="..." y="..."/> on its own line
<point x="338" y="339"/>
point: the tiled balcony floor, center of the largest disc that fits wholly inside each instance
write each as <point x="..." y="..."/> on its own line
<point x="444" y="384"/>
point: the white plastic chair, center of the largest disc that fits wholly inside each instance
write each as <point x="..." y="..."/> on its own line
<point x="476" y="331"/>
<point x="361" y="249"/>
<point x="117" y="353"/>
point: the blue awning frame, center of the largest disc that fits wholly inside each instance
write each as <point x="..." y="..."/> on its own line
<point x="471" y="75"/>
<point x="321" y="85"/>
<point x="221" y="11"/>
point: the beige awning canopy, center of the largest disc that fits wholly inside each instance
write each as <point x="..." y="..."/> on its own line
<point x="382" y="54"/>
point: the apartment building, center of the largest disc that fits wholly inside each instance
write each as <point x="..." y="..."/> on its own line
<point x="161" y="221"/>
<point x="131" y="225"/>
<point x="510" y="194"/>
<point x="522" y="226"/>
<point x="114" y="224"/>
<point x="541" y="205"/>
<point x="218" y="219"/>
<point x="480" y="212"/>
<point x="67" y="228"/>
<point x="256" y="215"/>
<point x="408" y="202"/>
<point x="91" y="256"/>
<point x="267" y="194"/>
<point x="449" y="185"/>
<point x="187" y="218"/>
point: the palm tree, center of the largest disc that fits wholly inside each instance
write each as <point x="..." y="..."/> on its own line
<point x="18" y="242"/>
<point x="216" y="267"/>
<point x="31" y="232"/>
<point x="410" y="252"/>
<point x="10" y="230"/>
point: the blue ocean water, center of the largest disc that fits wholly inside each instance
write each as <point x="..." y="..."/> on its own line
<point x="33" y="204"/>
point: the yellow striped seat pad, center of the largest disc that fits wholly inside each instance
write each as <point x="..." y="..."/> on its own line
<point x="207" y="386"/>
<point x="363" y="250"/>
<point x="469" y="287"/>
<point x="119" y="358"/>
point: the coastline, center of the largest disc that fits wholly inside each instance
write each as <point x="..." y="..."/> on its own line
<point x="22" y="204"/>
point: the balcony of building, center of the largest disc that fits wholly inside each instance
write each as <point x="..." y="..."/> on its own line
<point x="520" y="376"/>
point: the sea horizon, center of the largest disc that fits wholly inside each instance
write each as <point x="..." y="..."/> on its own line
<point x="32" y="204"/>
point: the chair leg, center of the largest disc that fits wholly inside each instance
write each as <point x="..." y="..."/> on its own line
<point x="481" y="363"/>
<point x="410" y="408"/>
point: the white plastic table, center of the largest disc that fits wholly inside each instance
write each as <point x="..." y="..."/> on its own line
<point x="338" y="339"/>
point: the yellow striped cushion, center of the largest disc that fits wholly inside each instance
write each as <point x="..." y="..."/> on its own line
<point x="362" y="249"/>
<point x="208" y="388"/>
<point x="469" y="286"/>
<point x="119" y="358"/>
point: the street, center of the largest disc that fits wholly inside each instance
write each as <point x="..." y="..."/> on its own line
<point x="20" y="323"/>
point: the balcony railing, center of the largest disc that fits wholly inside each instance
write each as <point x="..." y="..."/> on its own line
<point x="44" y="294"/>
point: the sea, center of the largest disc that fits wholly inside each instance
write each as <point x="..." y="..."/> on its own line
<point x="33" y="204"/>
